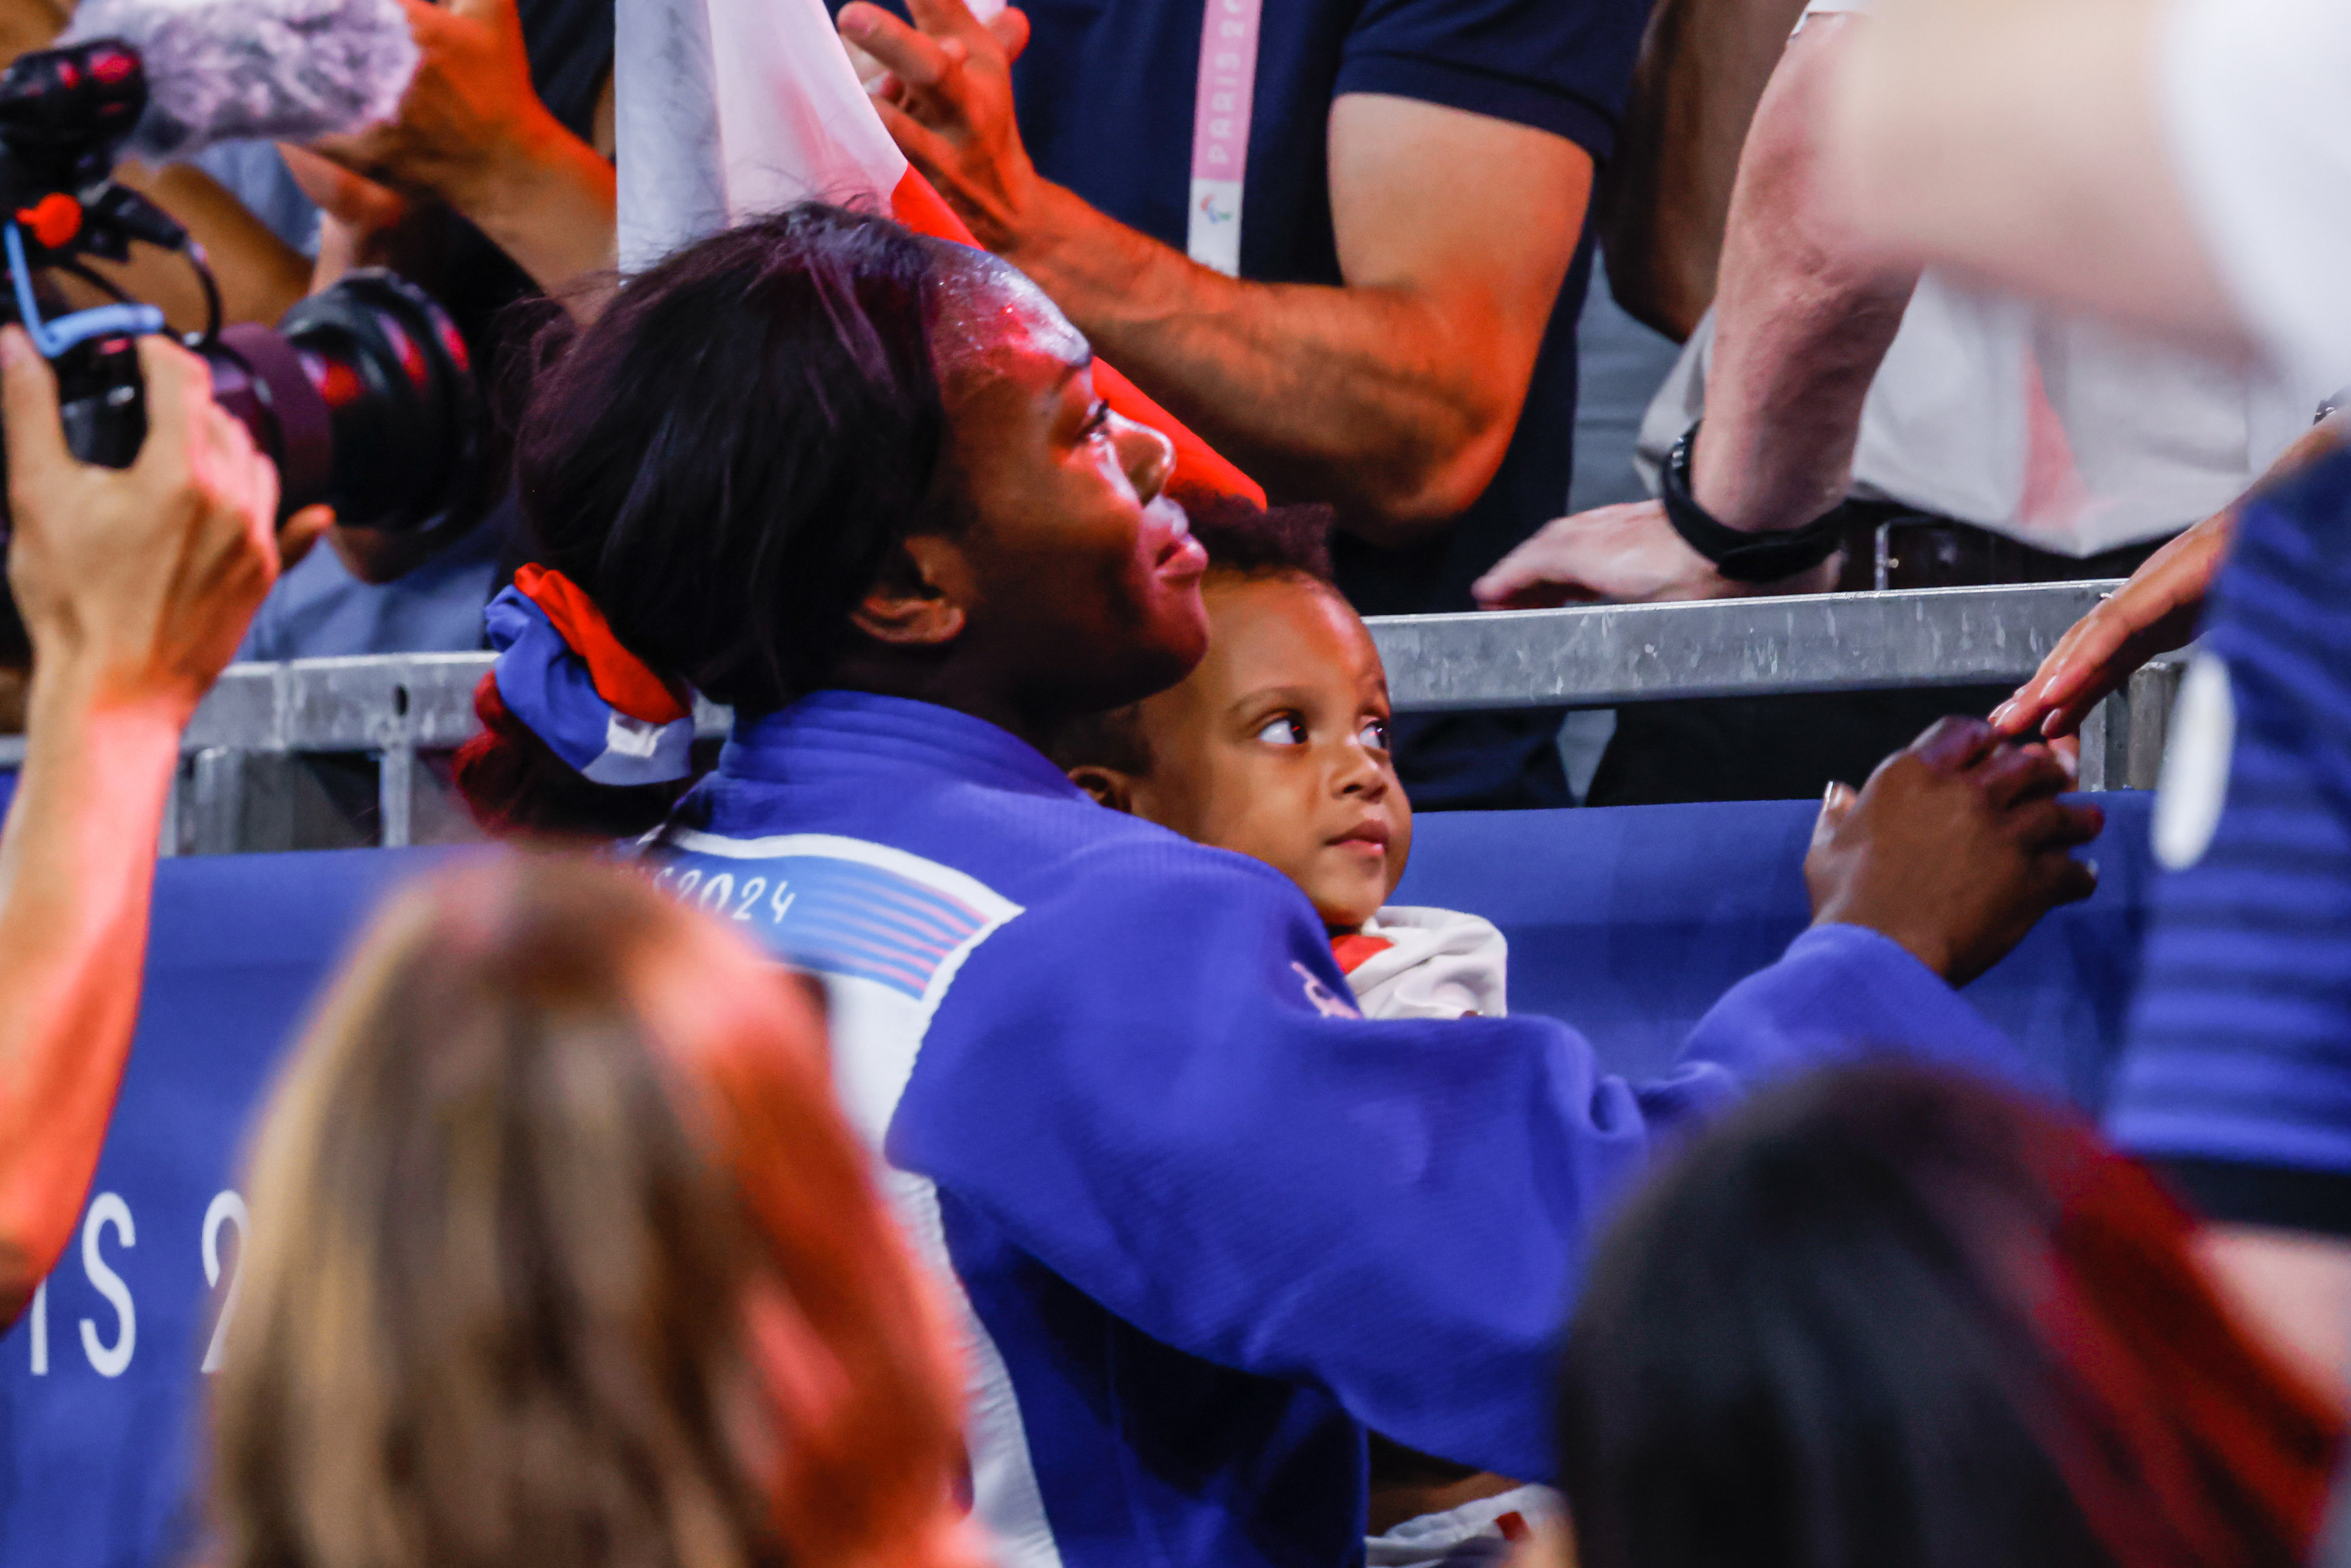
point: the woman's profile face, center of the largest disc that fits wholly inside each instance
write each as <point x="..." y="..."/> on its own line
<point x="1086" y="578"/>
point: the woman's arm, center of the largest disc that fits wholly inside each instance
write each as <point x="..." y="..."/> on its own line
<point x="135" y="586"/>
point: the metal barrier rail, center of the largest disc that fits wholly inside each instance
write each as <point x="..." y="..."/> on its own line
<point x="325" y="752"/>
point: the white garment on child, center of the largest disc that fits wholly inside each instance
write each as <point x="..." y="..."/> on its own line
<point x="1438" y="963"/>
<point x="1433" y="1537"/>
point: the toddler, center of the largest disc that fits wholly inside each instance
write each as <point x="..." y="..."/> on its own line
<point x="1276" y="747"/>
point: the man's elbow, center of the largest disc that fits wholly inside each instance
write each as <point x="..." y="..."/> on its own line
<point x="1666" y="298"/>
<point x="1415" y="495"/>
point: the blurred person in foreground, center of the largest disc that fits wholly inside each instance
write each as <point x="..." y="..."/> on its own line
<point x="1374" y="303"/>
<point x="134" y="586"/>
<point x="1212" y="1223"/>
<point x="2183" y="167"/>
<point x="1844" y="422"/>
<point x="1884" y="1318"/>
<point x="563" y="1254"/>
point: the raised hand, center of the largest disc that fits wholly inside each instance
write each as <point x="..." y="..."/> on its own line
<point x="2152" y="614"/>
<point x="944" y="91"/>
<point x="1955" y="848"/>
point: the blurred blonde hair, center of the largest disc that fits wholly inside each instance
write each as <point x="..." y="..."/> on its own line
<point x="563" y="1254"/>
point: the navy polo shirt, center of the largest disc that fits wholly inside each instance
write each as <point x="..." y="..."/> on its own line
<point x="1104" y="93"/>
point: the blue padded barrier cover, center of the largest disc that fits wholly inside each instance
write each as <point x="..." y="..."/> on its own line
<point x="93" y="1470"/>
<point x="1628" y="923"/>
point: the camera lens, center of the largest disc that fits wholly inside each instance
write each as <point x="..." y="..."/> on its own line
<point x="364" y="398"/>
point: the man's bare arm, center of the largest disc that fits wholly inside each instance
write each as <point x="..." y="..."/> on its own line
<point x="1802" y="319"/>
<point x="1664" y="198"/>
<point x="1393" y="396"/>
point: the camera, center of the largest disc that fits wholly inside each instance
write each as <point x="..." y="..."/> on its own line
<point x="362" y="396"/>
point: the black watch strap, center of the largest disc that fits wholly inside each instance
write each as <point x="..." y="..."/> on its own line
<point x="1739" y="555"/>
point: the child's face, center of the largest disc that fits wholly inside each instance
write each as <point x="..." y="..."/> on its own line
<point x="1276" y="747"/>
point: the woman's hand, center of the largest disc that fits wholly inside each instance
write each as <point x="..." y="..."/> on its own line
<point x="2152" y="614"/>
<point x="1955" y="848"/>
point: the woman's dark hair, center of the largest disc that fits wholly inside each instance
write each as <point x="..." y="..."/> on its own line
<point x="727" y="457"/>
<point x="1888" y="1319"/>
<point x="724" y="460"/>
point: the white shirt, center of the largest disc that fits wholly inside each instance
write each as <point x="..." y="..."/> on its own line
<point x="2060" y="430"/>
<point x="2252" y="99"/>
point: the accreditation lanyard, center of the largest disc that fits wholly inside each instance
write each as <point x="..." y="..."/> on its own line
<point x="1220" y="131"/>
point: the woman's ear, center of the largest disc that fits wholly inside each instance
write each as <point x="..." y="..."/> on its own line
<point x="1107" y="785"/>
<point x="918" y="600"/>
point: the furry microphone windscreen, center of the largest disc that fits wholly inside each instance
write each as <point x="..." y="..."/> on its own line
<point x="219" y="70"/>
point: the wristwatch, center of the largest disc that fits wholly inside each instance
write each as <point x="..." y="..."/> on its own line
<point x="1766" y="555"/>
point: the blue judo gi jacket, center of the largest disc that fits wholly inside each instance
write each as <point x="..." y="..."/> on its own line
<point x="1206" y="1225"/>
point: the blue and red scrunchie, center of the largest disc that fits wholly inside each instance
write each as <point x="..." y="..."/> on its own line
<point x="564" y="676"/>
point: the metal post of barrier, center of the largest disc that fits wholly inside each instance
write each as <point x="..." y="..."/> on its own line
<point x="395" y="790"/>
<point x="2152" y="692"/>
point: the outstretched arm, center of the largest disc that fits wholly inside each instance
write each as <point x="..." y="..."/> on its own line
<point x="2154" y="612"/>
<point x="135" y="586"/>
<point x="1802" y="319"/>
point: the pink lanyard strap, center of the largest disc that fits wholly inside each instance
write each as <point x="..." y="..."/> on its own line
<point x="1220" y="129"/>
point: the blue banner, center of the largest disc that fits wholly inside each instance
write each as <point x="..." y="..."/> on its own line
<point x="1626" y="923"/>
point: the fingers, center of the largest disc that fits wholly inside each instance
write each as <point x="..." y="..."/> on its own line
<point x="179" y="401"/>
<point x="1522" y="579"/>
<point x="326" y="175"/>
<point x="2060" y="878"/>
<point x="303" y="530"/>
<point x="1954" y="743"/>
<point x="2084" y="656"/>
<point x="28" y="402"/>
<point x="927" y="150"/>
<point x="2050" y="823"/>
<point x="1009" y="27"/>
<point x="1836" y="805"/>
<point x="2015" y="774"/>
<point x="916" y="60"/>
<point x="1517" y="585"/>
<point x="951" y="19"/>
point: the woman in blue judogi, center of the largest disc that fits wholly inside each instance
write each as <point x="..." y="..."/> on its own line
<point x="1206" y="1226"/>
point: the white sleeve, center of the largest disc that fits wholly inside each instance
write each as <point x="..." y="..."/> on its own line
<point x="2252" y="95"/>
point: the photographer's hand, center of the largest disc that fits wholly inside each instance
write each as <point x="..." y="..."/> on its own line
<point x="138" y="582"/>
<point x="135" y="585"/>
<point x="1954" y="848"/>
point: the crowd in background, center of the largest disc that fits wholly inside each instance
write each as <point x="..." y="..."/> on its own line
<point x="1223" y="1211"/>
